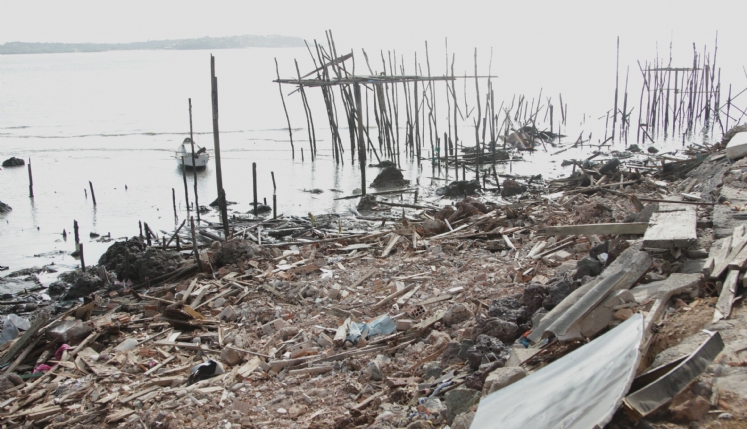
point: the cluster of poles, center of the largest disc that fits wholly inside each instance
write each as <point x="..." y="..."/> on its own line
<point x="336" y="75"/>
<point x="678" y="100"/>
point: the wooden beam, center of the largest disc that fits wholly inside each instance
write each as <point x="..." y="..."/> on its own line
<point x="598" y="228"/>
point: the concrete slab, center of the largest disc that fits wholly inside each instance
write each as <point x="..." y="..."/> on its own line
<point x="737" y="146"/>
<point x="668" y="229"/>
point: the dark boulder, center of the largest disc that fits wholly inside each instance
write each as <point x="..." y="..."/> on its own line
<point x="588" y="266"/>
<point x="533" y="297"/>
<point x="652" y="149"/>
<point x="510" y="309"/>
<point x="610" y="166"/>
<point x="389" y="177"/>
<point x="459" y="188"/>
<point x="557" y="293"/>
<point x="216" y="203"/>
<point x="261" y="208"/>
<point x="236" y="250"/>
<point x="81" y="284"/>
<point x="4" y="208"/>
<point x="489" y="349"/>
<point x="509" y="188"/>
<point x="141" y="262"/>
<point x="505" y="331"/>
<point x="13" y="162"/>
<point x="367" y="203"/>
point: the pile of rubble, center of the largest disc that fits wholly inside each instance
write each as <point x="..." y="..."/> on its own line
<point x="584" y="306"/>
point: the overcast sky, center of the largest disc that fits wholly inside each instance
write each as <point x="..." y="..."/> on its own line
<point x="530" y="39"/>
<point x="383" y="23"/>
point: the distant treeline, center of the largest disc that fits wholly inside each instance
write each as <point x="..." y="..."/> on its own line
<point x="232" y="42"/>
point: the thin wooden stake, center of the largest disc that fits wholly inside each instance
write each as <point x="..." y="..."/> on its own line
<point x="93" y="196"/>
<point x="31" y="181"/>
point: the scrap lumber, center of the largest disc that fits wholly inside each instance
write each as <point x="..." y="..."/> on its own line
<point x="24" y="339"/>
<point x="727" y="296"/>
<point x="738" y="241"/>
<point x="598" y="228"/>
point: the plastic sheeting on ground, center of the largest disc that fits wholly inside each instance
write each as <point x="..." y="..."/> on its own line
<point x="581" y="390"/>
<point x="383" y="325"/>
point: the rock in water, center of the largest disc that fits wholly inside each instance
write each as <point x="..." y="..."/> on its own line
<point x="367" y="203"/>
<point x="4" y="208"/>
<point x="13" y="162"/>
<point x="459" y="188"/>
<point x="610" y="166"/>
<point x="81" y="284"/>
<point x="511" y="188"/>
<point x="652" y="149"/>
<point x="389" y="177"/>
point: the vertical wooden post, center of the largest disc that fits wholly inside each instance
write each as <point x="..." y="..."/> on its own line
<point x="178" y="247"/>
<point x="184" y="179"/>
<point x="361" y="146"/>
<point x="173" y="198"/>
<point x="82" y="259"/>
<point x="287" y="118"/>
<point x="194" y="170"/>
<point x="75" y="233"/>
<point x="93" y="196"/>
<point x="254" y="186"/>
<point x="31" y="181"/>
<point x="617" y="81"/>
<point x="194" y="244"/>
<point x="274" y="197"/>
<point x="216" y="141"/>
<point x="140" y="225"/>
<point x="147" y="234"/>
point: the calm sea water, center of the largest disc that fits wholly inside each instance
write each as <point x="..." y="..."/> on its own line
<point x="115" y="119"/>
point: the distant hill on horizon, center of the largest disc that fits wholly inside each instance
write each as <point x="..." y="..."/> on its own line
<point x="233" y="42"/>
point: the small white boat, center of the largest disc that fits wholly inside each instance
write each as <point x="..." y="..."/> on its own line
<point x="183" y="155"/>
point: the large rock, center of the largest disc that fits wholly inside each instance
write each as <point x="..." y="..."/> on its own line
<point x="557" y="293"/>
<point x="81" y="284"/>
<point x="510" y="188"/>
<point x="501" y="329"/>
<point x="235" y="250"/>
<point x="4" y="208"/>
<point x="367" y="203"/>
<point x="509" y="309"/>
<point x="501" y="378"/>
<point x="533" y="297"/>
<point x="457" y="314"/>
<point x="459" y="400"/>
<point x="459" y="188"/>
<point x="13" y="162"/>
<point x="389" y="177"/>
<point x="486" y="348"/>
<point x="588" y="267"/>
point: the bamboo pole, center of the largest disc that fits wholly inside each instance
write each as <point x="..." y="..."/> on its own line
<point x="285" y="109"/>
<point x="216" y="141"/>
<point x="31" y="181"/>
<point x="194" y="163"/>
<point x="361" y="147"/>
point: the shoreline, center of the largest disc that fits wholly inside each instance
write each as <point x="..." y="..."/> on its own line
<point x="467" y="288"/>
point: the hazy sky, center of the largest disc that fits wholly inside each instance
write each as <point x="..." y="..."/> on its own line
<point x="530" y="39"/>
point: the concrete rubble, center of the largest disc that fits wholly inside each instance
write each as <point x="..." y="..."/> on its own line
<point x="464" y="306"/>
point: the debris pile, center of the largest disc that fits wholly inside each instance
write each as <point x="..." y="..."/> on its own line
<point x="583" y="305"/>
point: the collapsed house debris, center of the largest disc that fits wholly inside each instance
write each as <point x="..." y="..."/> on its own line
<point x="568" y="302"/>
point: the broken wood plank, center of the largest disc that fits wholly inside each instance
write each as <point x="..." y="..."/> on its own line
<point x="392" y="242"/>
<point x="24" y="339"/>
<point x="394" y="295"/>
<point x="726" y="298"/>
<point x="738" y="241"/>
<point x="598" y="228"/>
